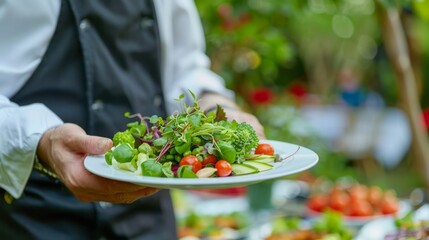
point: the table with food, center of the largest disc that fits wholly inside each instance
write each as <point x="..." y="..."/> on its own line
<point x="206" y="155"/>
<point x="302" y="217"/>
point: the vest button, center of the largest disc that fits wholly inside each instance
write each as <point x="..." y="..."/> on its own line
<point x="157" y="101"/>
<point x="97" y="105"/>
<point x="84" y="25"/>
<point x="146" y="22"/>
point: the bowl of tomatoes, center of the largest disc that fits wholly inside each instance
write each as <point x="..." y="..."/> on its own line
<point x="358" y="203"/>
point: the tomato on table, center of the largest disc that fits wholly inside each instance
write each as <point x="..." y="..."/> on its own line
<point x="264" y="148"/>
<point x="389" y="205"/>
<point x="357" y="200"/>
<point x="193" y="161"/>
<point x="361" y="208"/>
<point x="358" y="192"/>
<point x="317" y="202"/>
<point x="339" y="201"/>
<point x="375" y="195"/>
<point x="224" y="168"/>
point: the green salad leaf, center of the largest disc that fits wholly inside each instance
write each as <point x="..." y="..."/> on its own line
<point x="185" y="172"/>
<point x="124" y="153"/>
<point x="151" y="168"/>
<point x="227" y="151"/>
<point x="166" y="169"/>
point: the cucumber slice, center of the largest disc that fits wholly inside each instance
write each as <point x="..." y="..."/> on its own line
<point x="261" y="166"/>
<point x="268" y="159"/>
<point x="241" y="169"/>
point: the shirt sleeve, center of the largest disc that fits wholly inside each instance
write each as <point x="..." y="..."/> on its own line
<point x="184" y="62"/>
<point x="21" y="129"/>
<point x="26" y="29"/>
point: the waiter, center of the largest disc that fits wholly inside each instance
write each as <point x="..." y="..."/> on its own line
<point x="68" y="71"/>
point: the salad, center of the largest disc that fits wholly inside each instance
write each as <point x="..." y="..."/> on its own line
<point x="409" y="228"/>
<point x="223" y="226"/>
<point x="329" y="227"/>
<point x="189" y="144"/>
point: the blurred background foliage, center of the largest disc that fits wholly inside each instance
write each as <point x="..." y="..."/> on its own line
<point x="280" y="56"/>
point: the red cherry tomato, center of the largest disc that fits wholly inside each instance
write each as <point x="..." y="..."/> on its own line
<point x="358" y="192"/>
<point x="374" y="195"/>
<point x="339" y="201"/>
<point x="317" y="202"/>
<point x="210" y="159"/>
<point x="389" y="205"/>
<point x="193" y="161"/>
<point x="361" y="208"/>
<point x="224" y="168"/>
<point x="264" y="148"/>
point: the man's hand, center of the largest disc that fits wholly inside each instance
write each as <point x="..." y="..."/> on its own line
<point x="240" y="116"/>
<point x="232" y="111"/>
<point x="64" y="148"/>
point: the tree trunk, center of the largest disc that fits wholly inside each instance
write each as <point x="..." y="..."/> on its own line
<point x="399" y="55"/>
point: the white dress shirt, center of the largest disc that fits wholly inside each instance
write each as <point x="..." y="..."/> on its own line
<point x="26" y="28"/>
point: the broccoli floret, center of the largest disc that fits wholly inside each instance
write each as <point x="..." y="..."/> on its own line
<point x="244" y="140"/>
<point x="241" y="136"/>
<point x="123" y="137"/>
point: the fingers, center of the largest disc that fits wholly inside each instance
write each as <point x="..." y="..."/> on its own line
<point x="248" y="118"/>
<point x="91" y="188"/>
<point x="119" y="197"/>
<point x="259" y="131"/>
<point x="131" y="197"/>
<point x="92" y="144"/>
<point x="86" y="182"/>
<point x="74" y="137"/>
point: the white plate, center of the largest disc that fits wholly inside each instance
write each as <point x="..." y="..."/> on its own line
<point x="302" y="160"/>
<point x="379" y="228"/>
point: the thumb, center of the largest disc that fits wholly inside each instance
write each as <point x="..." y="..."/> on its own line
<point x="95" y="145"/>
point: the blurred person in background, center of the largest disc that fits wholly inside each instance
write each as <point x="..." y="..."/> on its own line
<point x="69" y="70"/>
<point x="351" y="93"/>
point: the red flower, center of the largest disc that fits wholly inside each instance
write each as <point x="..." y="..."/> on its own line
<point x="261" y="96"/>
<point x="228" y="25"/>
<point x="425" y="118"/>
<point x="229" y="22"/>
<point x="298" y="90"/>
<point x="224" y="11"/>
<point x="244" y="18"/>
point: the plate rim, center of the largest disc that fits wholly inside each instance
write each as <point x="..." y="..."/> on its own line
<point x="221" y="182"/>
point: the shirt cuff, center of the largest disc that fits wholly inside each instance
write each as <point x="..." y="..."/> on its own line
<point x="22" y="128"/>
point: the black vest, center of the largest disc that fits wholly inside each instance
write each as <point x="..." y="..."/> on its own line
<point x="102" y="61"/>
